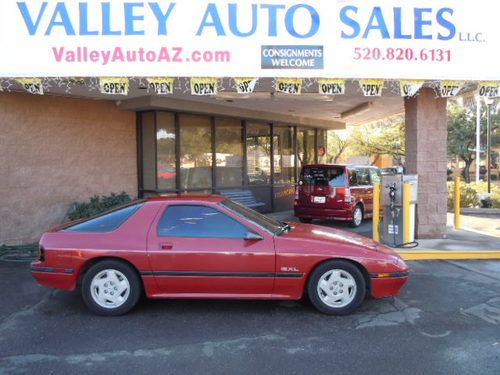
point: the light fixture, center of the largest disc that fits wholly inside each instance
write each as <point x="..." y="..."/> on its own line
<point x="359" y="109"/>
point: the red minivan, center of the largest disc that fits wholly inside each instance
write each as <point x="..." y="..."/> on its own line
<point x="339" y="192"/>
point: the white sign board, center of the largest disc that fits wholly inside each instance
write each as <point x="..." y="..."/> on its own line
<point x="389" y="39"/>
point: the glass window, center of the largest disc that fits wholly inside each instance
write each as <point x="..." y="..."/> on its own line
<point x="255" y="217"/>
<point x="334" y="177"/>
<point x="107" y="221"/>
<point x="258" y="154"/>
<point x="148" y="151"/>
<point x="353" y="177"/>
<point x="199" y="221"/>
<point x="305" y="146"/>
<point x="196" y="152"/>
<point x="284" y="157"/>
<point x="165" y="141"/>
<point x="363" y="177"/>
<point x="374" y="175"/>
<point x="228" y="153"/>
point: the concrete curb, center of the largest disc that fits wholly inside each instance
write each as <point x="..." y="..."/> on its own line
<point x="449" y="255"/>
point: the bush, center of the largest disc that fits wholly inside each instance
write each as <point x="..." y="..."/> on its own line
<point x="495" y="197"/>
<point x="469" y="197"/>
<point x="96" y="205"/>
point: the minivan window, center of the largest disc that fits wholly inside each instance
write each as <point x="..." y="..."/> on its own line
<point x="334" y="177"/>
<point x="363" y="177"/>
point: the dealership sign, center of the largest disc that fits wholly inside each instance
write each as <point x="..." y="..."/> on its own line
<point x="390" y="39"/>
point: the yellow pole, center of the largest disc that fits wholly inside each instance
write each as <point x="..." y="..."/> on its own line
<point x="406" y="212"/>
<point x="457" y="203"/>
<point x="376" y="212"/>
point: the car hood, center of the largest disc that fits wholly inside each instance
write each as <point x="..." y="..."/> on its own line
<point x="325" y="235"/>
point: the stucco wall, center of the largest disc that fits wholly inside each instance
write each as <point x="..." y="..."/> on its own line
<point x="54" y="151"/>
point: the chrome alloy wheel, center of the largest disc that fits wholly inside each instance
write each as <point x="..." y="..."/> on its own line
<point x="110" y="288"/>
<point x="336" y="288"/>
<point x="358" y="216"/>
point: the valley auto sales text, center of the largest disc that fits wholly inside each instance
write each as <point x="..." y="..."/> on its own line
<point x="47" y="18"/>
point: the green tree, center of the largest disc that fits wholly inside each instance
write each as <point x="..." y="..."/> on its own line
<point x="385" y="137"/>
<point x="462" y="133"/>
<point x="337" y="145"/>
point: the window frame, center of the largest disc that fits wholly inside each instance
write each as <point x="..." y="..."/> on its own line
<point x="198" y="205"/>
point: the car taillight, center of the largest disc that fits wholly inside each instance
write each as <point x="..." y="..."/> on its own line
<point x="41" y="253"/>
<point x="344" y="194"/>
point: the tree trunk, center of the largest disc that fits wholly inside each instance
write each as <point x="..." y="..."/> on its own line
<point x="468" y="163"/>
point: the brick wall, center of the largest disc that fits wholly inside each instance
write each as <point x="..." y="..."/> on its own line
<point x="426" y="135"/>
<point x="54" y="151"/>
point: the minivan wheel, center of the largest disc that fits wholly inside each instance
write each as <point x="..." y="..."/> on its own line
<point x="111" y="288"/>
<point x="336" y="287"/>
<point x="304" y="220"/>
<point x="357" y="216"/>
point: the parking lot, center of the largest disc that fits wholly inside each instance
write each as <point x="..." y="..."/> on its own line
<point x="446" y="321"/>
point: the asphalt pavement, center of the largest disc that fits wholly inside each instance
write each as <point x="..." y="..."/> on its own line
<point x="445" y="321"/>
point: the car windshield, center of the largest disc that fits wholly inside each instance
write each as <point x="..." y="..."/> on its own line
<point x="267" y="223"/>
<point x="334" y="177"/>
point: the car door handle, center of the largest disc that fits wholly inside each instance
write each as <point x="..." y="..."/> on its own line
<point x="166" y="246"/>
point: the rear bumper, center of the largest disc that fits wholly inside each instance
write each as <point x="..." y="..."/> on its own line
<point x="344" y="214"/>
<point x="61" y="278"/>
<point x="387" y="286"/>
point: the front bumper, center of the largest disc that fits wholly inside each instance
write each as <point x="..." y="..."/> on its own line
<point x="388" y="285"/>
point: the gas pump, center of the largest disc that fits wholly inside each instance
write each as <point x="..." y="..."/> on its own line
<point x="395" y="234"/>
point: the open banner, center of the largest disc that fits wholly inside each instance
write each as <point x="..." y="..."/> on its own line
<point x="204" y="86"/>
<point x="449" y="89"/>
<point x="410" y="87"/>
<point x="245" y="85"/>
<point x="161" y="85"/>
<point x="291" y="86"/>
<point x="489" y="89"/>
<point x="371" y="87"/>
<point x="32" y="85"/>
<point x="331" y="86"/>
<point x="113" y="85"/>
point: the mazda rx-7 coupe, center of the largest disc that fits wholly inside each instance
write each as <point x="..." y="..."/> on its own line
<point x="194" y="246"/>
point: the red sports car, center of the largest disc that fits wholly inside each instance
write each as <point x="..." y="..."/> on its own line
<point x="211" y="247"/>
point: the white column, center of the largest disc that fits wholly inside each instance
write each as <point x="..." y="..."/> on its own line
<point x="478" y="135"/>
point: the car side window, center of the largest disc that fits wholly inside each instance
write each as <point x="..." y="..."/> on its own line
<point x="198" y="221"/>
<point x="374" y="176"/>
<point x="353" y="177"/>
<point x="363" y="177"/>
<point x="107" y="222"/>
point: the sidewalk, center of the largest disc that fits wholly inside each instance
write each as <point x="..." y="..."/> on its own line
<point x="479" y="238"/>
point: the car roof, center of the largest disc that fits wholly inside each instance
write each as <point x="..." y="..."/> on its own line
<point x="212" y="198"/>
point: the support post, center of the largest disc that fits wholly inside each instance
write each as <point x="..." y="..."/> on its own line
<point x="406" y="213"/>
<point x="457" y="203"/>
<point x="478" y="136"/>
<point x="376" y="212"/>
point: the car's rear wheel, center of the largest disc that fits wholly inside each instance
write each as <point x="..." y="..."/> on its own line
<point x="336" y="287"/>
<point x="305" y="220"/>
<point x="357" y="216"/>
<point x="111" y="287"/>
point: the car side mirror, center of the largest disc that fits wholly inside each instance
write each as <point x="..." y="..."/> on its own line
<point x="252" y="236"/>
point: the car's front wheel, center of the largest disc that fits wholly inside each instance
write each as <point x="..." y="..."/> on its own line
<point x="336" y="287"/>
<point x="111" y="287"/>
